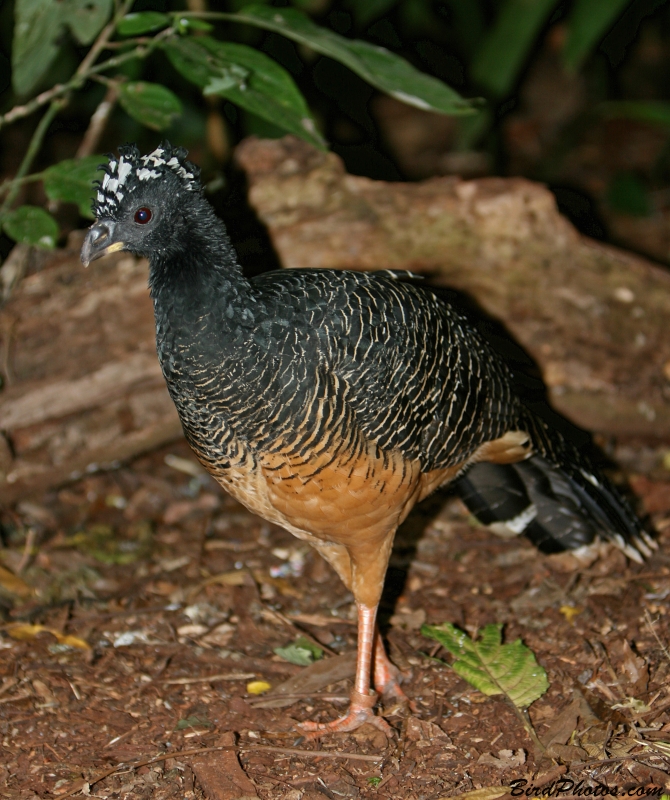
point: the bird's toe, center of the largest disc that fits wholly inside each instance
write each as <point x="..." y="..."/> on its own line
<point x="360" y="712"/>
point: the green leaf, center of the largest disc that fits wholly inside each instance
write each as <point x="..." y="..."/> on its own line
<point x="493" y="667"/>
<point x="308" y="644"/>
<point x="295" y="655"/>
<point x="246" y="77"/>
<point x="142" y="22"/>
<point x="379" y="67"/>
<point x="588" y="22"/>
<point x="37" y="28"/>
<point x="152" y="104"/>
<point x="86" y="18"/>
<point x="302" y="652"/>
<point x="654" y="111"/>
<point x="193" y="722"/>
<point x="192" y="60"/>
<point x="187" y="24"/>
<point x="31" y="225"/>
<point x="506" y="46"/>
<point x="71" y="181"/>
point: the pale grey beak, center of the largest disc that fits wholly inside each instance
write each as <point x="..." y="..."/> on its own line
<point x="100" y="241"/>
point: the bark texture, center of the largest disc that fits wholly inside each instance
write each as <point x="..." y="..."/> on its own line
<point x="594" y="318"/>
<point x="81" y="382"/>
<point x="82" y="385"/>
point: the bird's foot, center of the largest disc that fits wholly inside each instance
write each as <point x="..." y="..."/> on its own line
<point x="360" y="713"/>
<point x="387" y="684"/>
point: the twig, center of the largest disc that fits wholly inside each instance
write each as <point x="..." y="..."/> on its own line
<point x="524" y="717"/>
<point x="293" y="751"/>
<point x="33" y="148"/>
<point x="77" y="79"/>
<point x="329" y="698"/>
<point x="31" y="536"/>
<point x="98" y="122"/>
<point x="87" y="68"/>
<point x="228" y="676"/>
<point x="650" y="625"/>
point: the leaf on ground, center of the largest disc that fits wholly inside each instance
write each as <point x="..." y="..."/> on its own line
<point x="485" y="793"/>
<point x="24" y="631"/>
<point x="507" y="759"/>
<point x="301" y="652"/>
<point x="258" y="687"/>
<point x="490" y="666"/>
<point x="13" y="585"/>
<point x="193" y="722"/>
<point x="102" y="543"/>
<point x="312" y="679"/>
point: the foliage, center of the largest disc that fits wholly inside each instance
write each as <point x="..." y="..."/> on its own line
<point x="241" y="74"/>
<point x="491" y="666"/>
<point x="218" y="53"/>
<point x="302" y="652"/>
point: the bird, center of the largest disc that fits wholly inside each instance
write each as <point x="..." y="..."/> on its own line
<point x="330" y="402"/>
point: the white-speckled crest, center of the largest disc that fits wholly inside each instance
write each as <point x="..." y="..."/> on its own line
<point x="126" y="173"/>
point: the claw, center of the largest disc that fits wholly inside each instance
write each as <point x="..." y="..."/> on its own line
<point x="360" y="712"/>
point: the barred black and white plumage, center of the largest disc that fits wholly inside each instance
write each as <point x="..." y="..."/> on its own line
<point x="331" y="402"/>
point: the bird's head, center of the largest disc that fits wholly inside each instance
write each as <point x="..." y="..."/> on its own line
<point x="140" y="203"/>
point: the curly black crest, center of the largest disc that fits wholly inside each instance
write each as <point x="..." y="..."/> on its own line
<point x="123" y="175"/>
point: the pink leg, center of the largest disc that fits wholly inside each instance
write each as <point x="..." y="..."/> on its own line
<point x="386" y="675"/>
<point x="362" y="699"/>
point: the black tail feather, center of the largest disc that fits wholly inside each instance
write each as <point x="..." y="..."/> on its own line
<point x="557" y="507"/>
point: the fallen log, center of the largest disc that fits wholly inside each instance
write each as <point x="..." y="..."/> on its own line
<point x="81" y="384"/>
<point x="593" y="317"/>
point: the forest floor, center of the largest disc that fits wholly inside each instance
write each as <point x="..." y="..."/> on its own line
<point x="148" y="601"/>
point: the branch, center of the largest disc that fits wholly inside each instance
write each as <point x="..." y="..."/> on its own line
<point x="33" y="149"/>
<point x="86" y="68"/>
<point x="98" y="122"/>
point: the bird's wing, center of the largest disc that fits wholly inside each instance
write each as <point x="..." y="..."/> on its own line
<point x="423" y="381"/>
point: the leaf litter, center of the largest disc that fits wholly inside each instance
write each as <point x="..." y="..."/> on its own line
<point x="186" y="605"/>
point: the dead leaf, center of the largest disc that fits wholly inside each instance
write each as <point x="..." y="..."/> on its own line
<point x="570" y="612"/>
<point x="419" y="730"/>
<point x="507" y="759"/>
<point x="565" y="723"/>
<point x="258" y="687"/>
<point x="221" y="776"/>
<point x="311" y="679"/>
<point x="24" y="631"/>
<point x="409" y="619"/>
<point x="567" y="753"/>
<point x="220" y="636"/>
<point x="485" y="793"/>
<point x="635" y="669"/>
<point x="14" y="585"/>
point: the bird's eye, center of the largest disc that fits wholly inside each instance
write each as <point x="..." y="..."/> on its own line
<point x="143" y="215"/>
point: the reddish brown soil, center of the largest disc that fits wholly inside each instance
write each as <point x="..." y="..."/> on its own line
<point x="206" y="590"/>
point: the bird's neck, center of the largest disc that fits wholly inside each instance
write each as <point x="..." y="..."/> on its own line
<point x="199" y="272"/>
<point x="201" y="298"/>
